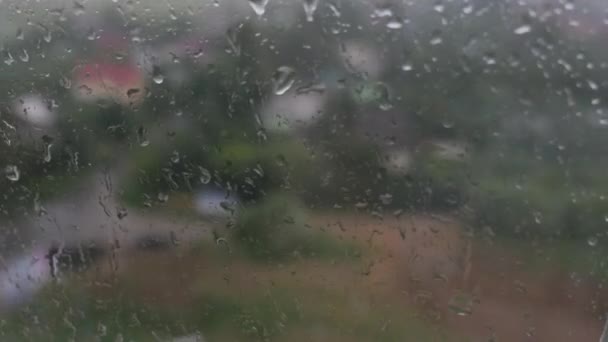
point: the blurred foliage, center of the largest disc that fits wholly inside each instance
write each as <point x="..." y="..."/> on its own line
<point x="278" y="228"/>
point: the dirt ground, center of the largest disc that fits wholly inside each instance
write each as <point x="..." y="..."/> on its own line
<point x="423" y="264"/>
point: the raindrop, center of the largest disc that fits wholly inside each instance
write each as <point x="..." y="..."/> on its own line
<point x="259" y="6"/>
<point x="47" y="155"/>
<point x="436" y="38"/>
<point x="175" y="157"/>
<point x="91" y="34"/>
<point x="163" y="197"/>
<point x="133" y="91"/>
<point x="523" y="29"/>
<point x="47" y="36"/>
<point x="407" y="67"/>
<point x="78" y="8"/>
<point x="121" y="212"/>
<point x="383" y="12"/>
<point x="20" y="34"/>
<point x="461" y="304"/>
<point x="489" y="59"/>
<point x="38" y="208"/>
<point x="538" y="218"/>
<point x="334" y="10"/>
<point x="158" y="79"/>
<point x="12" y="173"/>
<point x="394" y="24"/>
<point x="142" y="136"/>
<point x="172" y="14"/>
<point x="592" y="241"/>
<point x="386" y="199"/>
<point x="383" y="96"/>
<point x="65" y="82"/>
<point x="310" y="6"/>
<point x="467" y="9"/>
<point x="232" y="37"/>
<point x="205" y="176"/>
<point x="8" y="58"/>
<point x="447" y="124"/>
<point x="311" y="88"/>
<point x="86" y="90"/>
<point x="24" y="56"/>
<point x="102" y="330"/>
<point x="283" y="79"/>
<point x="157" y="76"/>
<point x="439" y="8"/>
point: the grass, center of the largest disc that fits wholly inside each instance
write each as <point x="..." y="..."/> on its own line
<point x="278" y="309"/>
<point x="565" y="255"/>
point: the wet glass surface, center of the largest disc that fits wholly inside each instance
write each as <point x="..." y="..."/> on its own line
<point x="315" y="170"/>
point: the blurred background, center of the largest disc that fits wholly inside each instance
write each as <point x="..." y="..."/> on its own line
<point x="303" y="170"/>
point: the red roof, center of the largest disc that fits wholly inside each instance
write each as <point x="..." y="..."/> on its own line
<point x="117" y="75"/>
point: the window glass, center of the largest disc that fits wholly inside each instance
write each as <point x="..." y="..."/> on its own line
<point x="303" y="170"/>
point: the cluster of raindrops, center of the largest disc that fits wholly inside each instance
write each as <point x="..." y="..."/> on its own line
<point x="310" y="7"/>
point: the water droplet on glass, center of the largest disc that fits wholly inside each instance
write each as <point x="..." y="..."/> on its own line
<point x="78" y="8"/>
<point x="172" y="14"/>
<point x="489" y="59"/>
<point x="383" y="96"/>
<point x="157" y="76"/>
<point x="102" y="330"/>
<point x="439" y="8"/>
<point x="592" y="85"/>
<point x="65" y="82"/>
<point x="121" y="212"/>
<point x="38" y="208"/>
<point x="175" y="157"/>
<point x="47" y="36"/>
<point x="232" y="37"/>
<point x="394" y="24"/>
<point x="386" y="199"/>
<point x="448" y="124"/>
<point x="163" y="197"/>
<point x="259" y="6"/>
<point x="310" y="6"/>
<point x="24" y="56"/>
<point x="407" y="67"/>
<point x="436" y="38"/>
<point x="538" y="218"/>
<point x="523" y="29"/>
<point x="132" y="92"/>
<point x="383" y="12"/>
<point x="8" y="58"/>
<point x="48" y="155"/>
<point x="12" y="173"/>
<point x="91" y="34"/>
<point x="20" y="34"/>
<point x="467" y="9"/>
<point x="461" y="304"/>
<point x="592" y="241"/>
<point x="283" y="79"/>
<point x="205" y="176"/>
<point x="142" y="136"/>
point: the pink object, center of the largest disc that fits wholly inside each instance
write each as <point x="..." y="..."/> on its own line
<point x="122" y="83"/>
